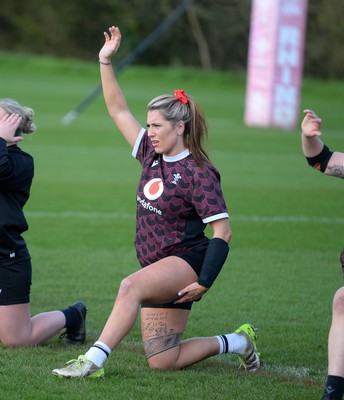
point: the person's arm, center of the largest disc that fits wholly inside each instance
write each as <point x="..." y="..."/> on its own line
<point x="214" y="260"/>
<point x="335" y="166"/>
<point x="217" y="252"/>
<point x="318" y="155"/>
<point x="114" y="98"/>
<point x="10" y="172"/>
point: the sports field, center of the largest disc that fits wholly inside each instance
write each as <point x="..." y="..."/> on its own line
<point x="287" y="221"/>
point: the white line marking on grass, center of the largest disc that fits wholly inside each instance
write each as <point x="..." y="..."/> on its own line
<point x="281" y="370"/>
<point x="301" y="372"/>
<point x="127" y="215"/>
<point x="289" y="218"/>
<point x="79" y="214"/>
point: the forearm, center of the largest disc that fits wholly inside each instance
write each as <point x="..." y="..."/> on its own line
<point x="311" y="146"/>
<point x="113" y="95"/>
<point x="8" y="172"/>
<point x="3" y="156"/>
<point x="214" y="260"/>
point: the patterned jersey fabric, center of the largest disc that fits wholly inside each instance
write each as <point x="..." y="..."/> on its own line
<point x="175" y="201"/>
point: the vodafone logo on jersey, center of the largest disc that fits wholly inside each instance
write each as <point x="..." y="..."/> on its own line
<point x="153" y="189"/>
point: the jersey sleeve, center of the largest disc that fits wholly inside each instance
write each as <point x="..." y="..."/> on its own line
<point x="207" y="196"/>
<point x="141" y="146"/>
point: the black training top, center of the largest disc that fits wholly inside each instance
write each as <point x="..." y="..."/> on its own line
<point x="16" y="174"/>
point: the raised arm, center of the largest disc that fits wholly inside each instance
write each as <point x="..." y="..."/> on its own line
<point x="114" y="98"/>
<point x="317" y="153"/>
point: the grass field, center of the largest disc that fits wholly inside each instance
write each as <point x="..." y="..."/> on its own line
<point x="287" y="222"/>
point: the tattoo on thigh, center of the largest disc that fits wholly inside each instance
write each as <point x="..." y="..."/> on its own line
<point x="154" y="325"/>
<point x="157" y="337"/>
<point x="160" y="344"/>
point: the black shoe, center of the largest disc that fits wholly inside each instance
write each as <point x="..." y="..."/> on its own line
<point x="76" y="335"/>
<point x="327" y="396"/>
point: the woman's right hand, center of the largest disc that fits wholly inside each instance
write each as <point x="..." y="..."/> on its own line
<point x="311" y="124"/>
<point x="8" y="126"/>
<point x="111" y="45"/>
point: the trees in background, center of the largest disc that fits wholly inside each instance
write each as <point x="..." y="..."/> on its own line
<point x="212" y="35"/>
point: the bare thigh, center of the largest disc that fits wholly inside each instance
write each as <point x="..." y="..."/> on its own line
<point x="160" y="282"/>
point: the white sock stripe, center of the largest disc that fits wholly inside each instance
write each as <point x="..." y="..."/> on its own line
<point x="103" y="345"/>
<point x="98" y="346"/>
<point x="221" y="343"/>
<point x="225" y="350"/>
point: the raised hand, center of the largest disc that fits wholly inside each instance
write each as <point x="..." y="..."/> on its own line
<point x="111" y="45"/>
<point x="311" y="124"/>
<point x="8" y="126"/>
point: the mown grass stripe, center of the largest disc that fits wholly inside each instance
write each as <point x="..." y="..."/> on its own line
<point x="126" y="215"/>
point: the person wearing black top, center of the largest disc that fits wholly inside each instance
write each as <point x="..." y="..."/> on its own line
<point x="17" y="327"/>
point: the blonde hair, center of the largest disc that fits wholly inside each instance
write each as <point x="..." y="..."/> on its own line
<point x="196" y="129"/>
<point x="13" y="107"/>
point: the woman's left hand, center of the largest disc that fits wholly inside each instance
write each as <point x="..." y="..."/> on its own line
<point x="191" y="292"/>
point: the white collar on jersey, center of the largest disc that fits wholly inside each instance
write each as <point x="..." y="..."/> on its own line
<point x="177" y="157"/>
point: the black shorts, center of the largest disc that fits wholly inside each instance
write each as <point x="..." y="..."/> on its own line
<point x="194" y="257"/>
<point x="15" y="283"/>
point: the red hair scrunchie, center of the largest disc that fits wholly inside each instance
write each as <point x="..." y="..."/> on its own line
<point x="181" y="95"/>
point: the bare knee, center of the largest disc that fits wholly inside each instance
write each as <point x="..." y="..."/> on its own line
<point x="12" y="345"/>
<point x="13" y="338"/>
<point x="126" y="288"/>
<point x="163" y="363"/>
<point x="338" y="302"/>
<point x="12" y="341"/>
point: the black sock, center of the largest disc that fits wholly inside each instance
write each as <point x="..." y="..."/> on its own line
<point x="334" y="388"/>
<point x="73" y="318"/>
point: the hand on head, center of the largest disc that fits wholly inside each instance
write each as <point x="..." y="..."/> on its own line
<point x="111" y="45"/>
<point x="311" y="124"/>
<point x="8" y="127"/>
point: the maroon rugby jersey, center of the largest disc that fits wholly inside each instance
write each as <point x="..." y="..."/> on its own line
<point x="175" y="201"/>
